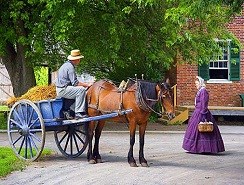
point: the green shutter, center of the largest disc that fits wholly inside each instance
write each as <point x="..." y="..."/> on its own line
<point x="203" y="71"/>
<point x="234" y="62"/>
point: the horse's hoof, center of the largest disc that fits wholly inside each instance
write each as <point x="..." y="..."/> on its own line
<point x="144" y="165"/>
<point x="133" y="165"/>
<point x="99" y="161"/>
<point x="92" y="161"/>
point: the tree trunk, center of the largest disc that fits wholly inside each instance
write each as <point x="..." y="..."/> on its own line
<point x="21" y="73"/>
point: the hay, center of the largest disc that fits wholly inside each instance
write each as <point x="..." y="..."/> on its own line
<point x="36" y="93"/>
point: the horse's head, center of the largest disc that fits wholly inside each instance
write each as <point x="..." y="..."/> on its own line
<point x="164" y="94"/>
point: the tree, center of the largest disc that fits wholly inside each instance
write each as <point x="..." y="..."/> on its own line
<point x="25" y="41"/>
<point x="118" y="38"/>
<point x="121" y="38"/>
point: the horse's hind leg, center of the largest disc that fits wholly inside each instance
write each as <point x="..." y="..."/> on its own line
<point x="98" y="132"/>
<point x="131" y="159"/>
<point x="142" y="129"/>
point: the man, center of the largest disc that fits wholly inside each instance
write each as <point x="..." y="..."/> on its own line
<point x="68" y="86"/>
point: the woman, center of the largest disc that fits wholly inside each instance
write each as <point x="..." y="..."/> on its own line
<point x="202" y="142"/>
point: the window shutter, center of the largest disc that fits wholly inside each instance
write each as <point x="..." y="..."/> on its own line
<point x="234" y="62"/>
<point x="203" y="71"/>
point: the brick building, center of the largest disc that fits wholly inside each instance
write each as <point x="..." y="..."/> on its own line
<point x="224" y="80"/>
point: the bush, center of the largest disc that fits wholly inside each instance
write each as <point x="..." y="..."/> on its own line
<point x="3" y="121"/>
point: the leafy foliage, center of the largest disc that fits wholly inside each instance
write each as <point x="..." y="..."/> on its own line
<point x="118" y="38"/>
<point x="41" y="75"/>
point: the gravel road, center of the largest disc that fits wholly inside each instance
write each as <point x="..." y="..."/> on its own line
<point x="169" y="163"/>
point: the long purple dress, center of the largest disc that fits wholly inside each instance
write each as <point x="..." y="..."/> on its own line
<point x="199" y="142"/>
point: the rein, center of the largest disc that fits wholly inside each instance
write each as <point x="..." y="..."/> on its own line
<point x="143" y="104"/>
<point x="141" y="101"/>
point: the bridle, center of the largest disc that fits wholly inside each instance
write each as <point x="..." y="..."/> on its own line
<point x="144" y="105"/>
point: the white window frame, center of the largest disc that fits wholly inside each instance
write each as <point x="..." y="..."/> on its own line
<point x="221" y="60"/>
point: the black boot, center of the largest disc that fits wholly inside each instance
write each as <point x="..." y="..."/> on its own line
<point x="67" y="114"/>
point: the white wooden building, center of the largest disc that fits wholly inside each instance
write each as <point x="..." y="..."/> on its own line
<point x="6" y="89"/>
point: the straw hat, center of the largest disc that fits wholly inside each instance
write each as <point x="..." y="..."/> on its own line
<point x="74" y="55"/>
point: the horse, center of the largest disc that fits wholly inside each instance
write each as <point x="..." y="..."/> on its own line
<point x="140" y="96"/>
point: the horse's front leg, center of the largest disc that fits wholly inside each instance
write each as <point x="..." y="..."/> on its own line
<point x="142" y="129"/>
<point x="90" y="137"/>
<point x="96" y="155"/>
<point x="131" y="159"/>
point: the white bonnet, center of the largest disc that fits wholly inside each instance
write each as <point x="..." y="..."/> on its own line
<point x="201" y="81"/>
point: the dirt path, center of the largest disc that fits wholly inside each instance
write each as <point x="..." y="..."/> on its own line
<point x="169" y="163"/>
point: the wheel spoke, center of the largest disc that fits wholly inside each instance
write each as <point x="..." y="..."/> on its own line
<point x="35" y="130"/>
<point x="80" y="139"/>
<point x="30" y="118"/>
<point x="33" y="143"/>
<point x="21" y="145"/>
<point x="23" y="115"/>
<point x="26" y="139"/>
<point x="30" y="146"/>
<point x="66" y="144"/>
<point x="34" y="122"/>
<point x="76" y="143"/>
<point x="14" y="131"/>
<point x="17" y="139"/>
<point x="35" y="137"/>
<point x="71" y="143"/>
<point x="20" y="120"/>
<point x="15" y="122"/>
<point x="26" y="146"/>
<point x="80" y="131"/>
<point x="64" y="136"/>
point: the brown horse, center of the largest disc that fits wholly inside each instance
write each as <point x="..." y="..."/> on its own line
<point x="140" y="96"/>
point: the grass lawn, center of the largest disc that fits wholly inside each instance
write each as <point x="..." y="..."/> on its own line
<point x="4" y="108"/>
<point x="10" y="162"/>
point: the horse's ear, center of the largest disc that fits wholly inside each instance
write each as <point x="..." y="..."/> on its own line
<point x="167" y="81"/>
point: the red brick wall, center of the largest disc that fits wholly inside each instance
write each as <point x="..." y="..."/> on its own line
<point x="222" y="94"/>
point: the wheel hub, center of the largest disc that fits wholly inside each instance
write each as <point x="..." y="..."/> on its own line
<point x="24" y="131"/>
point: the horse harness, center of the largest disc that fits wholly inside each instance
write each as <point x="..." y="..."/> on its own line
<point x="146" y="97"/>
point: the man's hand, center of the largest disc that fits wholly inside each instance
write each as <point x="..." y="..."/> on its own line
<point x="87" y="84"/>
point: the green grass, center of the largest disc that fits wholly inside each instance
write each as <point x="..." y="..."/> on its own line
<point x="3" y="121"/>
<point x="3" y="117"/>
<point x="10" y="162"/>
<point x="4" y="108"/>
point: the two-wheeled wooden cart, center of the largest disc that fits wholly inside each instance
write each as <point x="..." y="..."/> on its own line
<point x="29" y="121"/>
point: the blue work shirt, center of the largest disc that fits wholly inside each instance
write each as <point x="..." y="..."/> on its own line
<point x="67" y="75"/>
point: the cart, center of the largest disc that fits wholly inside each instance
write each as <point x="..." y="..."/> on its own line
<point x="29" y="121"/>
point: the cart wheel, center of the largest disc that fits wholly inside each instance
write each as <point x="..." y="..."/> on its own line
<point x="26" y="130"/>
<point x="72" y="140"/>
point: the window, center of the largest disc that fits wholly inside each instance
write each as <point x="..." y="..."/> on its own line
<point x="225" y="65"/>
<point x="219" y="67"/>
